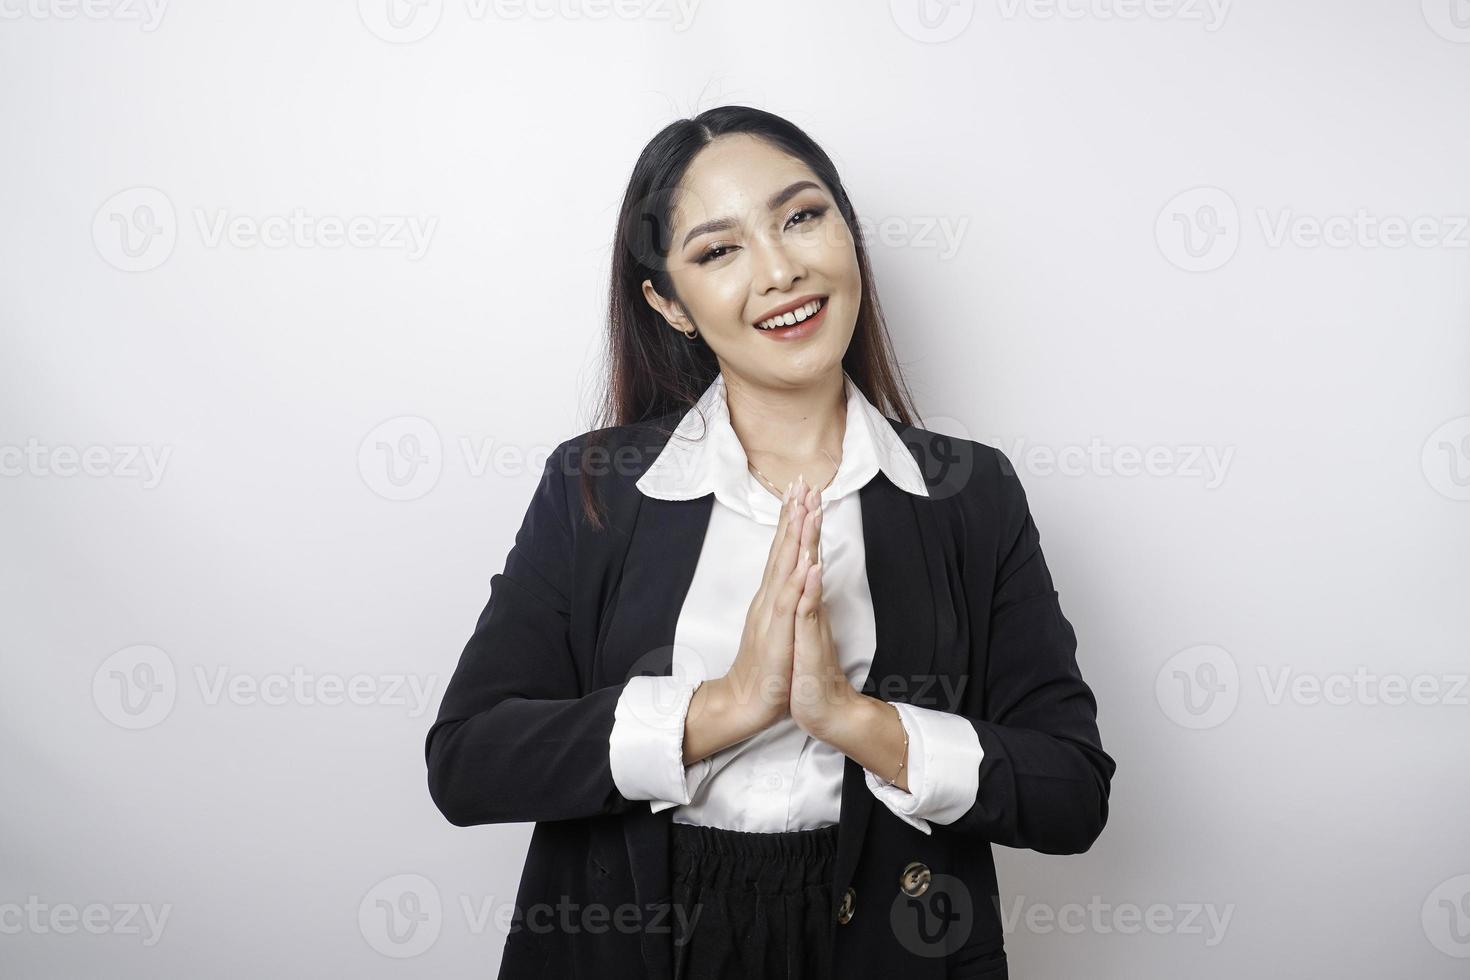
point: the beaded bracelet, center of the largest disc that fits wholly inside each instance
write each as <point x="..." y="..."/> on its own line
<point x="905" y="757"/>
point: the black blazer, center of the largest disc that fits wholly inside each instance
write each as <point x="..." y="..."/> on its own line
<point x="967" y="621"/>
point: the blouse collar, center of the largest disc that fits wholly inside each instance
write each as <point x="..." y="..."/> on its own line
<point x="689" y="467"/>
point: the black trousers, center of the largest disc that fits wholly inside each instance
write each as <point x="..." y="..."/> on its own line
<point x="752" y="906"/>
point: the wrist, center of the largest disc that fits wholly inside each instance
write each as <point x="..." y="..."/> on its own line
<point x="743" y="706"/>
<point x="855" y="716"/>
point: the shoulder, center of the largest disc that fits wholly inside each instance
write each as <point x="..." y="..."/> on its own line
<point x="965" y="471"/>
<point x="614" y="454"/>
<point x="603" y="466"/>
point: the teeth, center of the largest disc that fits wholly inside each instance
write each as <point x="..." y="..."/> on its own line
<point x="795" y="316"/>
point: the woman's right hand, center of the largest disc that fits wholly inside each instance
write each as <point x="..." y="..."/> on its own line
<point x="760" y="677"/>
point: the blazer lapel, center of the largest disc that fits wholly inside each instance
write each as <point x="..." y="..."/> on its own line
<point x="901" y="544"/>
<point x="662" y="556"/>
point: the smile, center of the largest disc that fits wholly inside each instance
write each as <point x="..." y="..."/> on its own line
<point x="795" y="323"/>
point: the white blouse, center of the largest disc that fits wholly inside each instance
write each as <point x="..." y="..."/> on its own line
<point x="779" y="779"/>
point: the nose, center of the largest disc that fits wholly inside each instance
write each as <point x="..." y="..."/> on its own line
<point x="776" y="266"/>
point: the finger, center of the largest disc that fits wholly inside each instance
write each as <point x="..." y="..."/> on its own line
<point x="781" y="631"/>
<point x="810" y="603"/>
<point x="812" y="499"/>
<point x="785" y="587"/>
<point x="806" y="557"/>
<point x="774" y="602"/>
<point x="787" y="555"/>
<point x="817" y="533"/>
<point x="804" y="532"/>
<point x="812" y="532"/>
<point x="782" y="547"/>
<point x="809" y="642"/>
<point x="783" y="526"/>
<point x="795" y="579"/>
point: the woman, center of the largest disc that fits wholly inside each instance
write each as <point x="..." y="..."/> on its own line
<point x="768" y="668"/>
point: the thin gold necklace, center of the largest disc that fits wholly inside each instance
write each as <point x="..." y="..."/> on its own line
<point x="835" y="465"/>
<point x="781" y="493"/>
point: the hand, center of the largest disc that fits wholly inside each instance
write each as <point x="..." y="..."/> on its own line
<point x="822" y="698"/>
<point x="760" y="676"/>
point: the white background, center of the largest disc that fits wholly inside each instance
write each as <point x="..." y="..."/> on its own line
<point x="1173" y="229"/>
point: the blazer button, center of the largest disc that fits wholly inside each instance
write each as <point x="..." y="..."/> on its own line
<point x="845" y="910"/>
<point x="915" y="879"/>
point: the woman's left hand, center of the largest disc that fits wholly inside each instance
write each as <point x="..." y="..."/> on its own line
<point x="822" y="698"/>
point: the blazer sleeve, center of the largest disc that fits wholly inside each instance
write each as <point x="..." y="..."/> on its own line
<point x="516" y="738"/>
<point x="1044" y="778"/>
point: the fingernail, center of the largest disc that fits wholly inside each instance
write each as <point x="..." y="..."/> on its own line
<point x="787" y="499"/>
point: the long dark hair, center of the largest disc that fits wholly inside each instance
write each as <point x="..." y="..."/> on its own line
<point x="654" y="374"/>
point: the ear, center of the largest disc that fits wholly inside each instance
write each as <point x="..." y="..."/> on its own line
<point x="669" y="310"/>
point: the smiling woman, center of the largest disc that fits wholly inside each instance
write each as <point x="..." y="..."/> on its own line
<point x="767" y="658"/>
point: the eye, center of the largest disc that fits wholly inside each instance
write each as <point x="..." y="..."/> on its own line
<point x="816" y="212"/>
<point x="712" y="253"/>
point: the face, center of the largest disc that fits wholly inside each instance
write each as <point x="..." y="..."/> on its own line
<point x="756" y="233"/>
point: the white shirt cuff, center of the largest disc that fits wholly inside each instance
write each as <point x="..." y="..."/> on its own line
<point x="646" y="747"/>
<point x="943" y="768"/>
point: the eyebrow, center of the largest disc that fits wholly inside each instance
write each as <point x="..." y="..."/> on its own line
<point x="775" y="201"/>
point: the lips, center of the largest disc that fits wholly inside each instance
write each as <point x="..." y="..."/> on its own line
<point x="798" y="330"/>
<point x="786" y="308"/>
